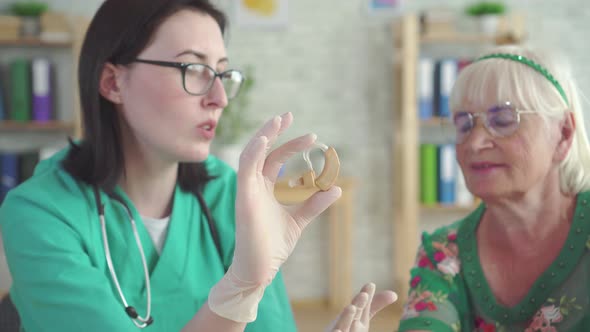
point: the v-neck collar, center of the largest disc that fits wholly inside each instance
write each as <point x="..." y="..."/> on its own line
<point x="170" y="264"/>
<point x="571" y="252"/>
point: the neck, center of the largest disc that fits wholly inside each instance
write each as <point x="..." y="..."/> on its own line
<point x="520" y="222"/>
<point x="149" y="182"/>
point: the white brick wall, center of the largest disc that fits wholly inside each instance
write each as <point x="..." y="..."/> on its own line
<point x="331" y="67"/>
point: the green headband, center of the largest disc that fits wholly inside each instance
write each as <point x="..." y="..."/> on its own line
<point x="532" y="64"/>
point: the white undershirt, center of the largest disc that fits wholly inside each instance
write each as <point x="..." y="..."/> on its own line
<point x="158" y="228"/>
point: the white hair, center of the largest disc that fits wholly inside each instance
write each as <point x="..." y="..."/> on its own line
<point x="517" y="82"/>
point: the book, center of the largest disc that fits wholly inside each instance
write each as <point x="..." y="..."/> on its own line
<point x="42" y="108"/>
<point x="428" y="174"/>
<point x="20" y="82"/>
<point x="446" y="174"/>
<point x="9" y="176"/>
<point x="425" y="88"/>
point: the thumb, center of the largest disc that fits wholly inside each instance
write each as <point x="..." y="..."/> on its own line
<point x="315" y="205"/>
<point x="382" y="300"/>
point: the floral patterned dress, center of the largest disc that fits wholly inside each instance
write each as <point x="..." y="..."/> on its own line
<point x="450" y="293"/>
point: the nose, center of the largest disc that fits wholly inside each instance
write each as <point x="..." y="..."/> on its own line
<point x="216" y="97"/>
<point x="479" y="138"/>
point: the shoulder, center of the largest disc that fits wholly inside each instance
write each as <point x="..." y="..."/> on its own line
<point x="222" y="174"/>
<point x="440" y="248"/>
<point x="50" y="191"/>
<point x="220" y="191"/>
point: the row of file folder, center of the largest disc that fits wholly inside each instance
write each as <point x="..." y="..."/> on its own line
<point x="441" y="179"/>
<point x="436" y="78"/>
<point x="26" y="90"/>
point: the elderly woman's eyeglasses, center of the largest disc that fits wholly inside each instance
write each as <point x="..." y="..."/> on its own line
<point x="500" y="121"/>
<point x="198" y="78"/>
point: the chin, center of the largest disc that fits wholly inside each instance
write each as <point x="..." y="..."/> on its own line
<point x="194" y="155"/>
<point x="489" y="193"/>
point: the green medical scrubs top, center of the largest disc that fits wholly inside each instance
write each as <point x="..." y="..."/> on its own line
<point x="450" y="293"/>
<point x="61" y="281"/>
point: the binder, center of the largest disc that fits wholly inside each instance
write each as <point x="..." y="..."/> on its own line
<point x="20" y="82"/>
<point x="446" y="78"/>
<point x="10" y="176"/>
<point x="42" y="110"/>
<point x="428" y="174"/>
<point x="446" y="174"/>
<point x="426" y="88"/>
<point x="3" y="92"/>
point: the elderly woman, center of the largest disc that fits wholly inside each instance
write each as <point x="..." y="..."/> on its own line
<point x="521" y="260"/>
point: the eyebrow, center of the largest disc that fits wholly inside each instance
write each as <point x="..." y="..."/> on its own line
<point x="201" y="56"/>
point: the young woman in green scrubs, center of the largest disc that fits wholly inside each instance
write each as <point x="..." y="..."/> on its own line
<point x="136" y="225"/>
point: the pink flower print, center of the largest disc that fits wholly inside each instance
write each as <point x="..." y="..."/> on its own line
<point x="415" y="281"/>
<point x="482" y="326"/>
<point x="439" y="256"/>
<point x="552" y="314"/>
<point x="449" y="265"/>
<point x="452" y="236"/>
<point x="422" y="305"/>
<point x="425" y="262"/>
<point x="416" y="303"/>
<point x="544" y="318"/>
<point x="453" y="249"/>
<point x="450" y="250"/>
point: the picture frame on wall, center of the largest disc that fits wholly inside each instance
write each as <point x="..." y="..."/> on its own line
<point x="261" y="13"/>
<point x="384" y="7"/>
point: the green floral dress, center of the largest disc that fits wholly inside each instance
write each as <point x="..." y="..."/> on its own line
<point x="450" y="293"/>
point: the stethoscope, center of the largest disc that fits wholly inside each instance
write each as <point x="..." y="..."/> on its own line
<point x="138" y="320"/>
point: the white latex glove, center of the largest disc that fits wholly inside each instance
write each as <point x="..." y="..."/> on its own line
<point x="356" y="317"/>
<point x="266" y="232"/>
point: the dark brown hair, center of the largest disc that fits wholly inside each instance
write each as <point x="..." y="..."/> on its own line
<point x="118" y="32"/>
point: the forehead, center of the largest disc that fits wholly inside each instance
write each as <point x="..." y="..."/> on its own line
<point x="188" y="30"/>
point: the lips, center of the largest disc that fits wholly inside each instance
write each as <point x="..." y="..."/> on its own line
<point x="484" y="165"/>
<point x="207" y="129"/>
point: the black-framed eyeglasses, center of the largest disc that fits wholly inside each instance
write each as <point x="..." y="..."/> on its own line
<point x="198" y="78"/>
<point x="500" y="121"/>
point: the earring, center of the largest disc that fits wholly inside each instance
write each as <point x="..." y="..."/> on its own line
<point x="327" y="177"/>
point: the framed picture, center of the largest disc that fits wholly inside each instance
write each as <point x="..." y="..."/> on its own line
<point x="262" y="13"/>
<point x="384" y="6"/>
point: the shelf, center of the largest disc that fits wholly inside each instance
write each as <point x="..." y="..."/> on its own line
<point x="14" y="126"/>
<point x="457" y="38"/>
<point x="33" y="43"/>
<point x="436" y="122"/>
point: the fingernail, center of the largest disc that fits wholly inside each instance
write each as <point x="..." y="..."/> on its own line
<point x="313" y="136"/>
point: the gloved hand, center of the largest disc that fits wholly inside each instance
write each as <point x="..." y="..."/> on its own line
<point x="266" y="232"/>
<point x="356" y="317"/>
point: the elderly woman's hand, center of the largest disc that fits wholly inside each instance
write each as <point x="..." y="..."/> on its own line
<point x="356" y="317"/>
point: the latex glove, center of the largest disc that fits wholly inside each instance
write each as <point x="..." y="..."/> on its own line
<point x="356" y="317"/>
<point x="266" y="231"/>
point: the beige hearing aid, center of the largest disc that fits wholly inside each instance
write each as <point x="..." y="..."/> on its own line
<point x="328" y="175"/>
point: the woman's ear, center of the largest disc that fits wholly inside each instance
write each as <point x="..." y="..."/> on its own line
<point x="109" y="83"/>
<point x="567" y="131"/>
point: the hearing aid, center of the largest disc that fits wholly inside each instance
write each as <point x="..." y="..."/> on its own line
<point x="327" y="177"/>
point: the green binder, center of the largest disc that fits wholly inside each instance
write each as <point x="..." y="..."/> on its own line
<point x="428" y="174"/>
<point x="20" y="87"/>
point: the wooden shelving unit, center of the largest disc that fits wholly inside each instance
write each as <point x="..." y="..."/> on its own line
<point x="34" y="43"/>
<point x="406" y="206"/>
<point x="59" y="126"/>
<point x="66" y="123"/>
